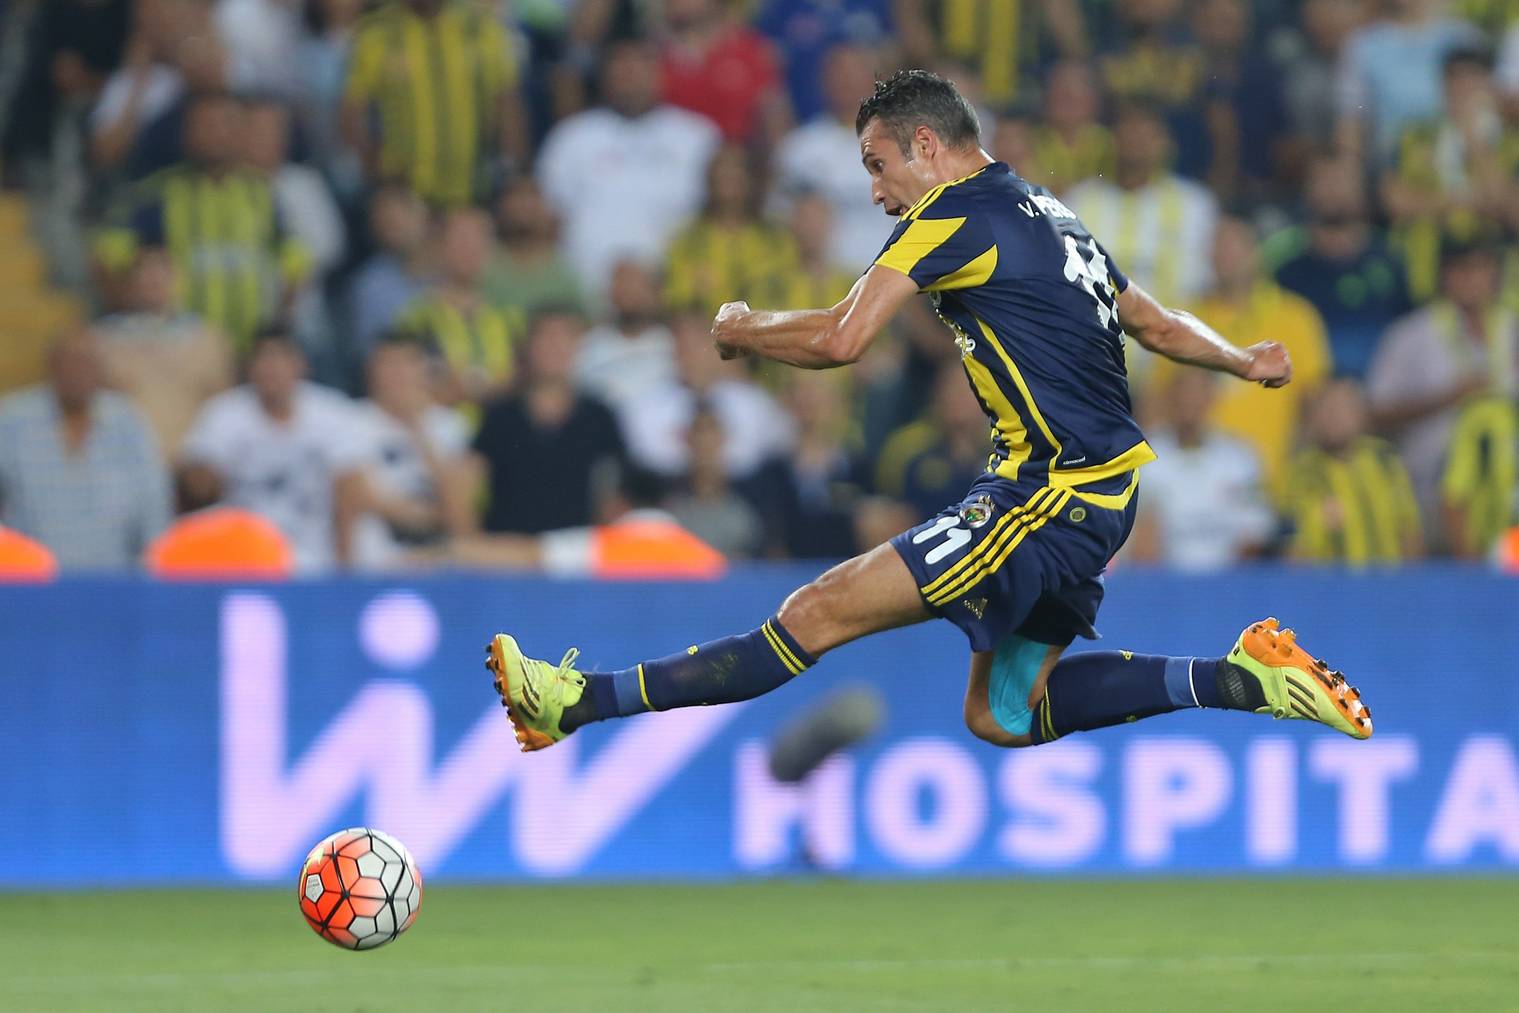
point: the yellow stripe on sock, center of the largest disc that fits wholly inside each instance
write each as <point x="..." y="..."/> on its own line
<point x="643" y="692"/>
<point x="787" y="658"/>
<point x="1045" y="718"/>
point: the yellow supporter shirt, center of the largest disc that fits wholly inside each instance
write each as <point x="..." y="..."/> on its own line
<point x="1266" y="418"/>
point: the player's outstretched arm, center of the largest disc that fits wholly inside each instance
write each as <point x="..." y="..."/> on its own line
<point x="1181" y="336"/>
<point x="815" y="339"/>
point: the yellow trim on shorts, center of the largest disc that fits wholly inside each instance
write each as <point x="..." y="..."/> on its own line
<point x="991" y="536"/>
<point x="1048" y="509"/>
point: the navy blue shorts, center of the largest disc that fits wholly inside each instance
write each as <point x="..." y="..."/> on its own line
<point x="1017" y="558"/>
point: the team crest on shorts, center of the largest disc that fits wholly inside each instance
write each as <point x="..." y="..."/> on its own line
<point x="977" y="513"/>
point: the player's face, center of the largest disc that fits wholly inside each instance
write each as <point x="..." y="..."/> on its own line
<point x="896" y="181"/>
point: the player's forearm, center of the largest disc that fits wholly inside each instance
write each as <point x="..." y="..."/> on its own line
<point x="1182" y="337"/>
<point x="805" y="338"/>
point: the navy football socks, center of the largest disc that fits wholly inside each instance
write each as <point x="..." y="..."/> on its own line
<point x="1102" y="688"/>
<point x="723" y="671"/>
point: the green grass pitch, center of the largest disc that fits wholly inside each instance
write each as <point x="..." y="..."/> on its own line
<point x="1336" y="943"/>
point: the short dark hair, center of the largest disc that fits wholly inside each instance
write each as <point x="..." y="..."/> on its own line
<point x="910" y="99"/>
<point x="1474" y="55"/>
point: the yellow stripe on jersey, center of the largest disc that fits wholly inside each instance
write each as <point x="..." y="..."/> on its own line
<point x="922" y="237"/>
<point x="1018" y="381"/>
<point x="972" y="274"/>
<point x="1009" y="426"/>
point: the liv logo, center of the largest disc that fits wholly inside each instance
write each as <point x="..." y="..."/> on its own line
<point x="380" y="747"/>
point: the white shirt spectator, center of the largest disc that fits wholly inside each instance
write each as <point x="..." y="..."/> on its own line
<point x="618" y="370"/>
<point x="1161" y="234"/>
<point x="1389" y="76"/>
<point x="622" y="185"/>
<point x="261" y="38"/>
<point x="394" y="464"/>
<point x="285" y="471"/>
<point x="96" y="508"/>
<point x="165" y="86"/>
<point x="308" y="211"/>
<point x="1207" y="502"/>
<point x="1506" y="73"/>
<point x="823" y="156"/>
<point x="757" y="428"/>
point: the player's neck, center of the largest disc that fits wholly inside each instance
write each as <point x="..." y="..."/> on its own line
<point x="957" y="165"/>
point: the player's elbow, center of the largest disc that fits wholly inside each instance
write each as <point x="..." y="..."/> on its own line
<point x="841" y="345"/>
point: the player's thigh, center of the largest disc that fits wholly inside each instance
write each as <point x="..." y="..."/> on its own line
<point x="1019" y="692"/>
<point x="869" y="593"/>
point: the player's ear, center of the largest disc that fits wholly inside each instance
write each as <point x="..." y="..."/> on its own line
<point x="924" y="143"/>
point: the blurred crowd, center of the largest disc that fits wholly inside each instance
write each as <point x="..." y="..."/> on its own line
<point x="429" y="282"/>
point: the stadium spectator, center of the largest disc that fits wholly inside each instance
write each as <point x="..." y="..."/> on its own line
<point x="416" y="482"/>
<point x="73" y="47"/>
<point x="398" y="271"/>
<point x="808" y="276"/>
<point x="822" y="156"/>
<point x="1012" y="141"/>
<point x="528" y="270"/>
<point x="219" y="222"/>
<point x="1156" y="225"/>
<point x="1342" y="265"/>
<point x="541" y="446"/>
<point x="1246" y="306"/>
<point x="634" y="538"/>
<point x="1389" y="77"/>
<point x="1507" y="72"/>
<point x="475" y="341"/>
<point x="1204" y="506"/>
<point x="808" y="32"/>
<point x="1479" y="490"/>
<point x="79" y="469"/>
<point x="729" y="252"/>
<point x="809" y="498"/>
<point x="1242" y="103"/>
<point x="284" y="448"/>
<point x="1452" y="173"/>
<point x="321" y="67"/>
<point x="302" y="199"/>
<point x="714" y="64"/>
<point x="1464" y="344"/>
<point x="441" y="81"/>
<point x="707" y="504"/>
<point x="655" y="422"/>
<point x="624" y="175"/>
<point x="1350" y="500"/>
<point x="166" y="360"/>
<point x="261" y="38"/>
<point x="1072" y="144"/>
<point x="1149" y="56"/>
<point x="932" y="461"/>
<point x="631" y="352"/>
<point x="171" y="52"/>
<point x="1309" y="58"/>
<point x="1002" y="44"/>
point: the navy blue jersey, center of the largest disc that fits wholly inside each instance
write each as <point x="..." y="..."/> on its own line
<point x="1032" y="300"/>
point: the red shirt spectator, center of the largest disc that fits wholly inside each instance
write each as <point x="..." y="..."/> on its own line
<point x="722" y="69"/>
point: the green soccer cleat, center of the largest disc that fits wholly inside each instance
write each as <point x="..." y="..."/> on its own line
<point x="534" y="693"/>
<point x="1295" y="684"/>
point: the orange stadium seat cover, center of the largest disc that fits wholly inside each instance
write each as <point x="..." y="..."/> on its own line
<point x="221" y="543"/>
<point x="653" y="549"/>
<point x="25" y="560"/>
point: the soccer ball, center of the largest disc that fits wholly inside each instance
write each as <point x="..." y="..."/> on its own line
<point x="360" y="889"/>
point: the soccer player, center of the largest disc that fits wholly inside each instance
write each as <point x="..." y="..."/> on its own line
<point x="1034" y="304"/>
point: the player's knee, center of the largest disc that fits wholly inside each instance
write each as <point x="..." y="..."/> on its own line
<point x="985" y="727"/>
<point x="805" y="615"/>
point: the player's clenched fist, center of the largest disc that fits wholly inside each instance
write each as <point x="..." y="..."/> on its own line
<point x="728" y="316"/>
<point x="1270" y="364"/>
